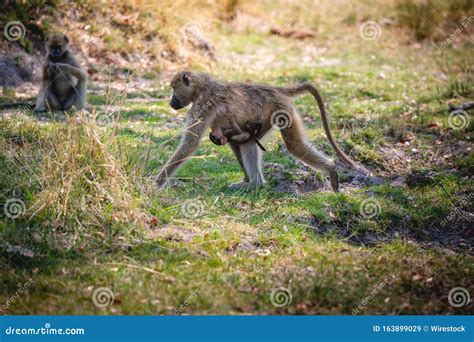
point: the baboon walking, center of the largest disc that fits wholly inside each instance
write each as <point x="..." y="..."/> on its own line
<point x="64" y="81"/>
<point x="264" y="105"/>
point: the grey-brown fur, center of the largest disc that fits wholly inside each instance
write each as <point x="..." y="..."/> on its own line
<point x="214" y="102"/>
<point x="64" y="82"/>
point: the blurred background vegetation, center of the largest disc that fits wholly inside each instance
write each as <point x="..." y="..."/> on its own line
<point x="150" y="33"/>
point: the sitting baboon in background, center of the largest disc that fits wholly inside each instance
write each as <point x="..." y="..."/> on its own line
<point x="64" y="81"/>
<point x="213" y="103"/>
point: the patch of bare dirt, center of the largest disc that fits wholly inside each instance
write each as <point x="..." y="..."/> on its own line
<point x="354" y="179"/>
<point x="294" y="182"/>
<point x="304" y="179"/>
<point x="457" y="235"/>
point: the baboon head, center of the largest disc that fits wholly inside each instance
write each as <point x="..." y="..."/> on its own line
<point x="185" y="85"/>
<point x="57" y="45"/>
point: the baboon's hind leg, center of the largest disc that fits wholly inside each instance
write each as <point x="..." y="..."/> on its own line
<point x="71" y="98"/>
<point x="298" y="145"/>
<point x="53" y="102"/>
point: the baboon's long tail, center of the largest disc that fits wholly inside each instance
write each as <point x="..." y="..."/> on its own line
<point x="301" y="88"/>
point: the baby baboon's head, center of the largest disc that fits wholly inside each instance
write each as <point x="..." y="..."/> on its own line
<point x="57" y="45"/>
<point x="185" y="85"/>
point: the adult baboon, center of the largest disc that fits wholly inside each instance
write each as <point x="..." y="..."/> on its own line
<point x="214" y="102"/>
<point x="64" y="81"/>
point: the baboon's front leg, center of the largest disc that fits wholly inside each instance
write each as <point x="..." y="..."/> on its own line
<point x="194" y="130"/>
<point x="45" y="95"/>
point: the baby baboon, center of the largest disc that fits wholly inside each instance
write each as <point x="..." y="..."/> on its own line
<point x="235" y="134"/>
<point x="256" y="104"/>
<point x="64" y="80"/>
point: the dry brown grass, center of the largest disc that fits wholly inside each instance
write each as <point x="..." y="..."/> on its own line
<point x="73" y="180"/>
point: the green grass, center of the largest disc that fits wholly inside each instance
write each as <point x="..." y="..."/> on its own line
<point x="244" y="244"/>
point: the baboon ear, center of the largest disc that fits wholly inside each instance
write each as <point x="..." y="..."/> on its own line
<point x="185" y="79"/>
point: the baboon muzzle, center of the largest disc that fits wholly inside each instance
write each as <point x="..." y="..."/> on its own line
<point x="175" y="103"/>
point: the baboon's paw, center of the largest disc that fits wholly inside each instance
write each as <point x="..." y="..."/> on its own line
<point x="239" y="186"/>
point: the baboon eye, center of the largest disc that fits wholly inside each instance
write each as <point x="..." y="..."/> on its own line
<point x="185" y="79"/>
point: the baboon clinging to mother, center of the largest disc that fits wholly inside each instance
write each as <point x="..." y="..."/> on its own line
<point x="64" y="82"/>
<point x="213" y="103"/>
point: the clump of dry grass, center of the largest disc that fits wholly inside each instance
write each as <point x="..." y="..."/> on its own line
<point x="83" y="163"/>
<point x="72" y="179"/>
